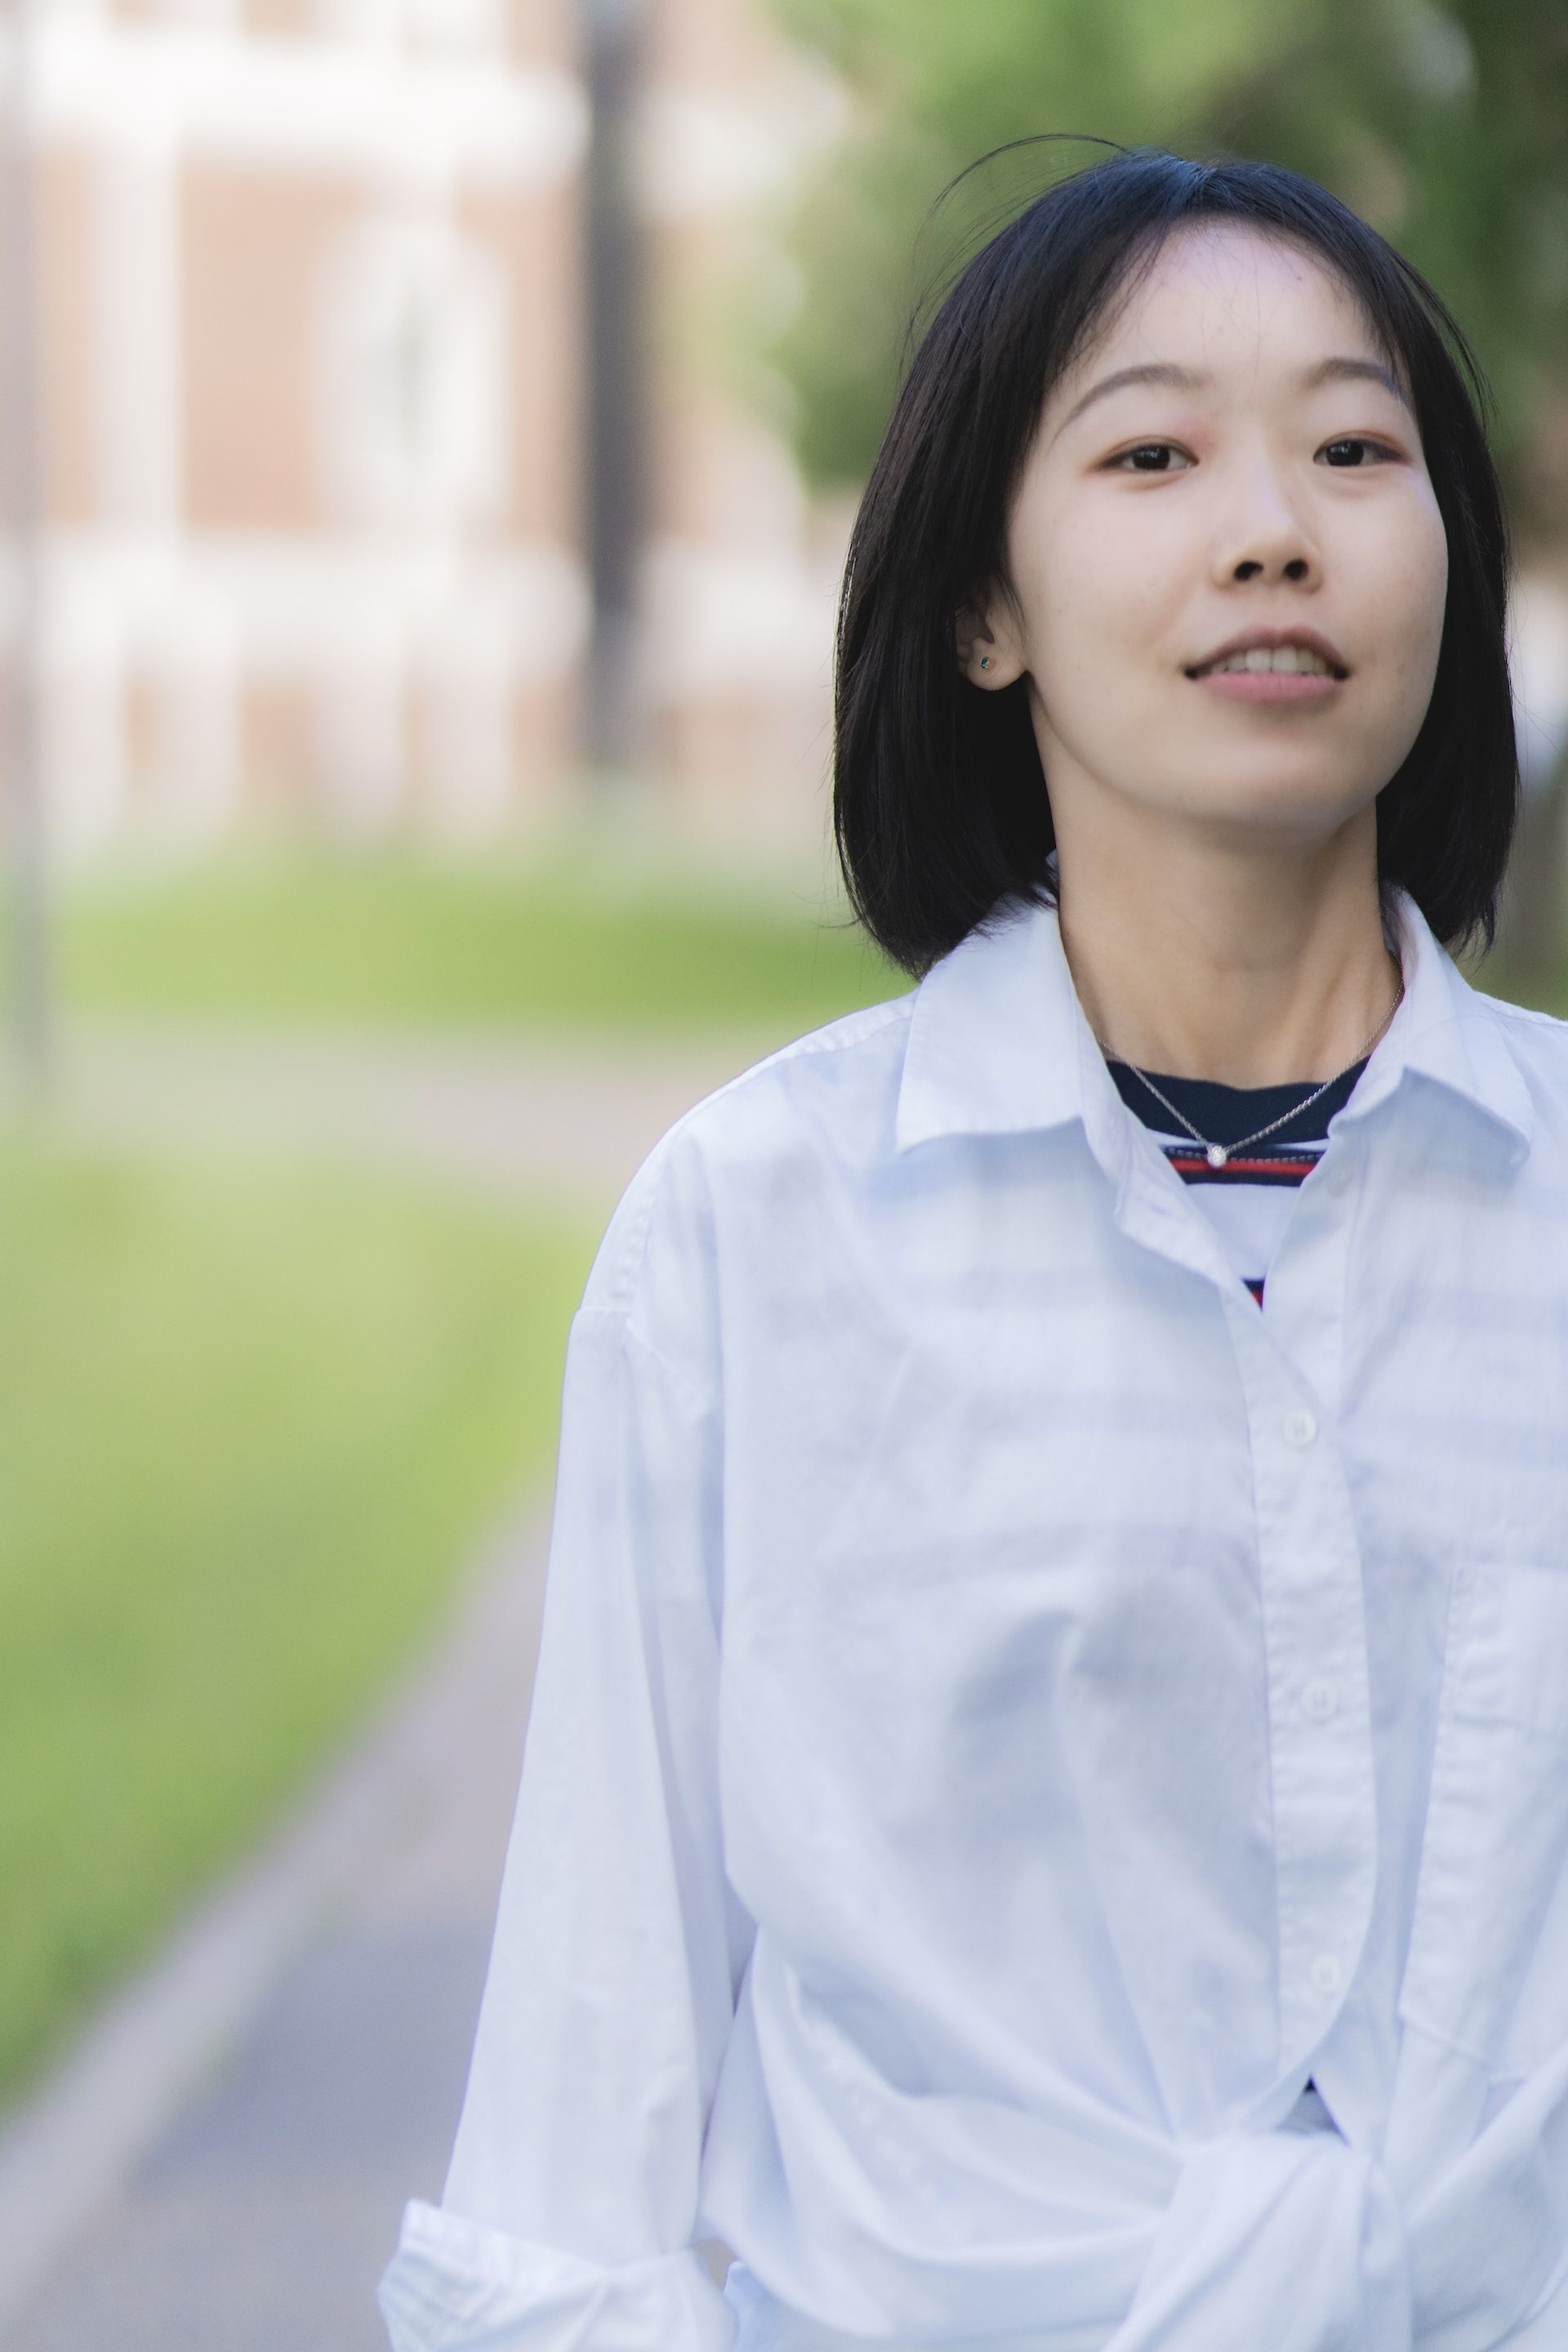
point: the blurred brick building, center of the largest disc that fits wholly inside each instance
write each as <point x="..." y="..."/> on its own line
<point x="311" y="444"/>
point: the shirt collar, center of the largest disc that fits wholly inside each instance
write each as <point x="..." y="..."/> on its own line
<point x="992" y="1046"/>
<point x="998" y="1043"/>
<point x="1450" y="1032"/>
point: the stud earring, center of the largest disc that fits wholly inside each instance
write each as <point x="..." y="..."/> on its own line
<point x="984" y="661"/>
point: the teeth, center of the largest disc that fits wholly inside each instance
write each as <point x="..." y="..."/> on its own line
<point x="1286" y="661"/>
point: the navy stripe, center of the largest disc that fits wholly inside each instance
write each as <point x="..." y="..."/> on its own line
<point x="1227" y="1114"/>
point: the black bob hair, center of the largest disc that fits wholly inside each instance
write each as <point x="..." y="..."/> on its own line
<point x="940" y="805"/>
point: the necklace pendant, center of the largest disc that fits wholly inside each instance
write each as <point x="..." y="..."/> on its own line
<point x="1218" y="1155"/>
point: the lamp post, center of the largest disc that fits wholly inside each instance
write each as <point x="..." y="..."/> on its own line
<point x="27" y="896"/>
<point x="616" y="456"/>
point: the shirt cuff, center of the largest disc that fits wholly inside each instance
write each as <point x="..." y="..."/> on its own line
<point x="455" y="2286"/>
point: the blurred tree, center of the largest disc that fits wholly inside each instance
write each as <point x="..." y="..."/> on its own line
<point x="1445" y="126"/>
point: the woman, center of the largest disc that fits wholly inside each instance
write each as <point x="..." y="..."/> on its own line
<point x="1044" y="1824"/>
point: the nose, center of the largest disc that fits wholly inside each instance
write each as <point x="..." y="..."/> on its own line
<point x="1266" y="539"/>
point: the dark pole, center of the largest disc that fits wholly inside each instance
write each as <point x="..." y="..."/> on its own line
<point x="1532" y="929"/>
<point x="27" y="892"/>
<point x="617" y="467"/>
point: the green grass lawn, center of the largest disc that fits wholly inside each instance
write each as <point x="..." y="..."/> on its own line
<point x="251" y="1425"/>
<point x="561" y="942"/>
<point x="391" y="938"/>
<point x="253" y="1420"/>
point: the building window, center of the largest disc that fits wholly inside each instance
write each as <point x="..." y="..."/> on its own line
<point x="414" y="400"/>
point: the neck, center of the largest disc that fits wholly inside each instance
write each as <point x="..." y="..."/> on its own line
<point x="1251" y="965"/>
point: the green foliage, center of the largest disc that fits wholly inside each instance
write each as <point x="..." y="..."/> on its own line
<point x="398" y="940"/>
<point x="1446" y="126"/>
<point x="250" y="1426"/>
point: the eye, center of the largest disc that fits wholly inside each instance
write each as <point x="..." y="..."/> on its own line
<point x="1151" y="458"/>
<point x="1355" y="449"/>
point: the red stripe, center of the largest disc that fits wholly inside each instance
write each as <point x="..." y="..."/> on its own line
<point x="1182" y="1161"/>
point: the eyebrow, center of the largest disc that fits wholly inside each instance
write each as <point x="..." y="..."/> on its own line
<point x="1166" y="374"/>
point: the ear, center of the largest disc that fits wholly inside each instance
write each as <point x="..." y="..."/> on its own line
<point x="986" y="639"/>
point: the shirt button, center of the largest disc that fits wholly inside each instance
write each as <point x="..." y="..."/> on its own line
<point x="1319" y="1701"/>
<point x="1300" y="1428"/>
<point x="1325" y="1973"/>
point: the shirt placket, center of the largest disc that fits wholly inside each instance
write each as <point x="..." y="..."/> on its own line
<point x="1310" y="1598"/>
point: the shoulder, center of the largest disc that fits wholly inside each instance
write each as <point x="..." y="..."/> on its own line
<point x="1538" y="1042"/>
<point x="1535" y="1047"/>
<point x="829" y="1094"/>
<point x="1545" y="1032"/>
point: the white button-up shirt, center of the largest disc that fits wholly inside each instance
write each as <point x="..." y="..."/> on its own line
<point x="1012" y="1712"/>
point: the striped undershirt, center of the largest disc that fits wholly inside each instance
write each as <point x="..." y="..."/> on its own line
<point x="1249" y="1198"/>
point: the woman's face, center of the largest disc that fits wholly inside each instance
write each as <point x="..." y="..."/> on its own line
<point x="1228" y="476"/>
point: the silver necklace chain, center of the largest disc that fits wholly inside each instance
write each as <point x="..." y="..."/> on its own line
<point x="1216" y="1154"/>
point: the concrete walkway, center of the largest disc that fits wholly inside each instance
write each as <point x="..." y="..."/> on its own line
<point x="513" y="1114"/>
<point x="220" y="2165"/>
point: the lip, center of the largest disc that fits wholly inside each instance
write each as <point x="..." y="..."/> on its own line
<point x="1271" y="686"/>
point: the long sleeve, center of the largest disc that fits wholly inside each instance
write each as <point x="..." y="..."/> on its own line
<point x="570" y="2206"/>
